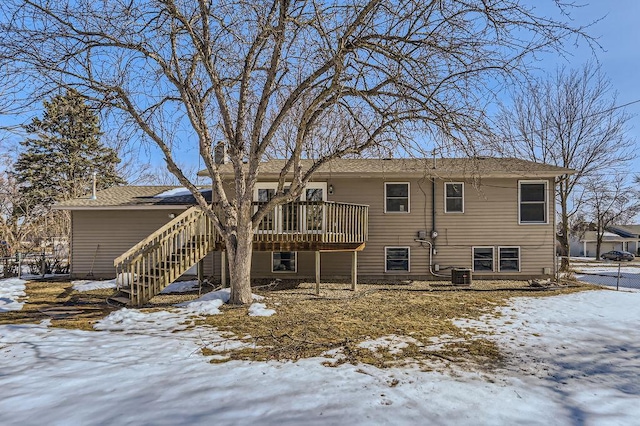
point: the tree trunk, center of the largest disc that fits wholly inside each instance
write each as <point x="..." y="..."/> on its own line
<point x="240" y="252"/>
<point x="564" y="225"/>
<point x="564" y="246"/>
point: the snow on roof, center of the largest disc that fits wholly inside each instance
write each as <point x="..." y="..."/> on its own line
<point x="177" y="192"/>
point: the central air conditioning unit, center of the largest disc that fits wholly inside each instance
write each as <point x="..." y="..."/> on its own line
<point x="460" y="276"/>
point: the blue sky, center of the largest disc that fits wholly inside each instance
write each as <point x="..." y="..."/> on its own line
<point x="617" y="32"/>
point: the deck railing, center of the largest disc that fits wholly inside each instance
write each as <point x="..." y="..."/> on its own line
<point x="315" y="221"/>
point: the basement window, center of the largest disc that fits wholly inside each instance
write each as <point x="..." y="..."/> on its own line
<point x="509" y="259"/>
<point x="483" y="259"/>
<point x="396" y="259"/>
<point x="284" y="261"/>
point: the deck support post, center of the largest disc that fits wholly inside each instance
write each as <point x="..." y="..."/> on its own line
<point x="223" y="268"/>
<point x="317" y="272"/>
<point x="354" y="271"/>
<point x="200" y="272"/>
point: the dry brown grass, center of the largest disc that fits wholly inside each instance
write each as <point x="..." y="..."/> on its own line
<point x="50" y="299"/>
<point x="306" y="325"/>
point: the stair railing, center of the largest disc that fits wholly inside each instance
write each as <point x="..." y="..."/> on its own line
<point x="158" y="260"/>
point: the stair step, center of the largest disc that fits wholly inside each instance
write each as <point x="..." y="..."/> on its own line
<point x="127" y="290"/>
<point x="120" y="299"/>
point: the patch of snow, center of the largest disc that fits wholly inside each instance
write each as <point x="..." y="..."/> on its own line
<point x="393" y="343"/>
<point x="134" y="320"/>
<point x="11" y="289"/>
<point x="441" y="342"/>
<point x="86" y="285"/>
<point x="181" y="287"/>
<point x="260" y="310"/>
<point x="202" y="307"/>
<point x="124" y="280"/>
<point x="223" y="294"/>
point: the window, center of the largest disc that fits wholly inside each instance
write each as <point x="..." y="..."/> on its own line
<point x="396" y="259"/>
<point x="396" y="197"/>
<point x="533" y="202"/>
<point x="454" y="197"/>
<point x="482" y="259"/>
<point x="283" y="261"/>
<point x="509" y="259"/>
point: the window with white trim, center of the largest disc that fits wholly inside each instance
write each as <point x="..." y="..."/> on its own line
<point x="483" y="259"/>
<point x="532" y="198"/>
<point x="396" y="197"/>
<point x="284" y="261"/>
<point x="509" y="259"/>
<point x="396" y="259"/>
<point x="454" y="197"/>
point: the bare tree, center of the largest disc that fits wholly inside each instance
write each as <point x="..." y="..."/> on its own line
<point x="297" y="79"/>
<point x="19" y="217"/>
<point x="569" y="120"/>
<point x="609" y="202"/>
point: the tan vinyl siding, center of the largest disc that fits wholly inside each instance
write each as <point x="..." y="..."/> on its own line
<point x="115" y="231"/>
<point x="332" y="265"/>
<point x="490" y="218"/>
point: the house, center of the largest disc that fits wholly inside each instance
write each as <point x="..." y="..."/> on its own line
<point x="367" y="219"/>
<point x="617" y="237"/>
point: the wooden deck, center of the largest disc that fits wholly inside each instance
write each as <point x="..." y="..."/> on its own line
<point x="152" y="264"/>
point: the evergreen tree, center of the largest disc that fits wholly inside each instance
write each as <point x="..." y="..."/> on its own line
<point x="58" y="162"/>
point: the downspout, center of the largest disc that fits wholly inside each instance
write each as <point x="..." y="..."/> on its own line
<point x="434" y="233"/>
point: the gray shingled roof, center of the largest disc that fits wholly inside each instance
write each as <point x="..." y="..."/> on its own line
<point x="131" y="197"/>
<point x="440" y="167"/>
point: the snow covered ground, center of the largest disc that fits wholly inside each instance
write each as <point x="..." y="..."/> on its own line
<point x="573" y="360"/>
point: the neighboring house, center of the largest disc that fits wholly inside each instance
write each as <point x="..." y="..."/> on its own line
<point x="618" y="237"/>
<point x="379" y="219"/>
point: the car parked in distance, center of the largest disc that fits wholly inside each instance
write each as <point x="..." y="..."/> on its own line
<point x="618" y="255"/>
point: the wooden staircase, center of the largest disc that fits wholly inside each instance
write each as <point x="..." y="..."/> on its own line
<point x="161" y="258"/>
